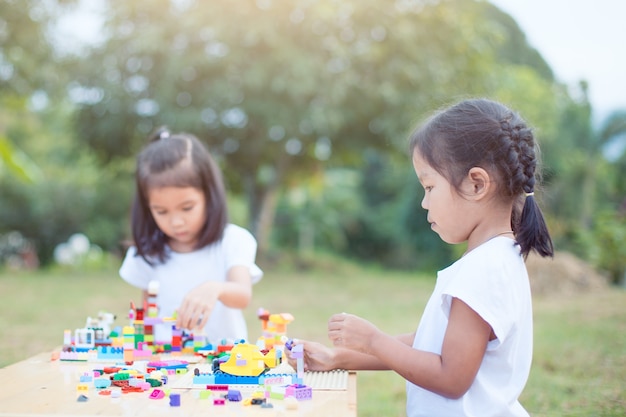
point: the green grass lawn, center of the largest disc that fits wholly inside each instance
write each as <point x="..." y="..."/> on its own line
<point x="579" y="367"/>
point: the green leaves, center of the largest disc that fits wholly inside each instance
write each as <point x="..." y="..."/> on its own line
<point x="14" y="161"/>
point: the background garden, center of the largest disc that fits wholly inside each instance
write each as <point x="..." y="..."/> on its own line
<point x="307" y="106"/>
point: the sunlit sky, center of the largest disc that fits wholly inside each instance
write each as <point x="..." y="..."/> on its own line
<point x="580" y="39"/>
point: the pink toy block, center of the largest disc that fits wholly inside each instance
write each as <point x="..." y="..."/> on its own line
<point x="157" y="394"/>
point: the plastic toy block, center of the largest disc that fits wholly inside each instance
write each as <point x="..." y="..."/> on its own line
<point x="142" y="354"/>
<point x="224" y="348"/>
<point x="236" y="380"/>
<point x="267" y="405"/>
<point x="245" y="360"/>
<point x="101" y="383"/>
<point x="297" y="351"/>
<point x="277" y="379"/>
<point x="289" y="344"/>
<point x="110" y="353"/>
<point x="219" y="401"/>
<point x="276" y="395"/>
<point x="126" y="387"/>
<point x="67" y="337"/>
<point x="86" y="378"/>
<point x="171" y="364"/>
<point x="233" y="395"/>
<point x="276" y="391"/>
<point x="82" y="398"/>
<point x="128" y="355"/>
<point x="154" y="382"/>
<point x="154" y="374"/>
<point x="157" y="394"/>
<point x="204" y="379"/>
<point x="204" y="394"/>
<point x="84" y="338"/>
<point x="299" y="392"/>
<point x="175" y="400"/>
<point x="217" y="387"/>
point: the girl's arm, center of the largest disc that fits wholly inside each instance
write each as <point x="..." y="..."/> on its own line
<point x="235" y="292"/>
<point x="318" y="357"/>
<point x="358" y="361"/>
<point x="449" y="374"/>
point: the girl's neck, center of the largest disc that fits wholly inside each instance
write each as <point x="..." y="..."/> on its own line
<point x="179" y="247"/>
<point x="506" y="233"/>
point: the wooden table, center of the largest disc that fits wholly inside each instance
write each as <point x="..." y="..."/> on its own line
<point x="40" y="387"/>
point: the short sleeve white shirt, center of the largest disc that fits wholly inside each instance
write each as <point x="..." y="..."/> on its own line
<point x="182" y="272"/>
<point x="493" y="281"/>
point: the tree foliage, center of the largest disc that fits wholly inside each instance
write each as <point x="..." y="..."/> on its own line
<point x="274" y="88"/>
<point x="306" y="104"/>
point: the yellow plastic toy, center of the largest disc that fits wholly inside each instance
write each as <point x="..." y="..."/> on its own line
<point x="245" y="360"/>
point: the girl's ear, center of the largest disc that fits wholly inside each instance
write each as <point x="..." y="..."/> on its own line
<point x="478" y="183"/>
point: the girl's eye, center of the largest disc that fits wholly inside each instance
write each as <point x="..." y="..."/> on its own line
<point x="188" y="208"/>
<point x="160" y="212"/>
<point x="428" y="188"/>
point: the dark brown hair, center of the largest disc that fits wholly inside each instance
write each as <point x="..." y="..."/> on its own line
<point x="175" y="160"/>
<point x="484" y="133"/>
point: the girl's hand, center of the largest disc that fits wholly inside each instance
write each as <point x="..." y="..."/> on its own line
<point x="351" y="332"/>
<point x="197" y="306"/>
<point x="317" y="357"/>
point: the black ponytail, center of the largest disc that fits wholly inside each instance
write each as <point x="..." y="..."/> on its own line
<point x="532" y="232"/>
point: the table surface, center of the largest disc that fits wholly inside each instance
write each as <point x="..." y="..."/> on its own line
<point x="39" y="386"/>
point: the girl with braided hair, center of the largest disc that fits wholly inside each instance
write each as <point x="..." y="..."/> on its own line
<point x="472" y="351"/>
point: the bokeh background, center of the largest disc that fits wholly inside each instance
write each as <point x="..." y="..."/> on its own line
<point x="306" y="104"/>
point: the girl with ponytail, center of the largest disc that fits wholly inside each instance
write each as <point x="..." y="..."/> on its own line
<point x="471" y="353"/>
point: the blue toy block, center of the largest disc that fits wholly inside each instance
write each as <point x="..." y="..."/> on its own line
<point x="233" y="395"/>
<point x="204" y="379"/>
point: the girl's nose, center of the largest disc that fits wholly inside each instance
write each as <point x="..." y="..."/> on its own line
<point x="177" y="220"/>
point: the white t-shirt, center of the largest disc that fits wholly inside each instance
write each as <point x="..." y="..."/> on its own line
<point x="492" y="280"/>
<point x="182" y="272"/>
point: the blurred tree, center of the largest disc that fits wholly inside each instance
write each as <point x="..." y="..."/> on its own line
<point x="584" y="158"/>
<point x="276" y="88"/>
<point x="27" y="61"/>
<point x="71" y="194"/>
<point x="514" y="47"/>
<point x="281" y="93"/>
<point x="24" y="69"/>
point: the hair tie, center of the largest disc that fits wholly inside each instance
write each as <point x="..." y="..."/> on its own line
<point x="530" y="194"/>
<point x="164" y="134"/>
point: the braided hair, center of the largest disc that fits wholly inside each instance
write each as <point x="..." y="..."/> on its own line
<point x="484" y="133"/>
